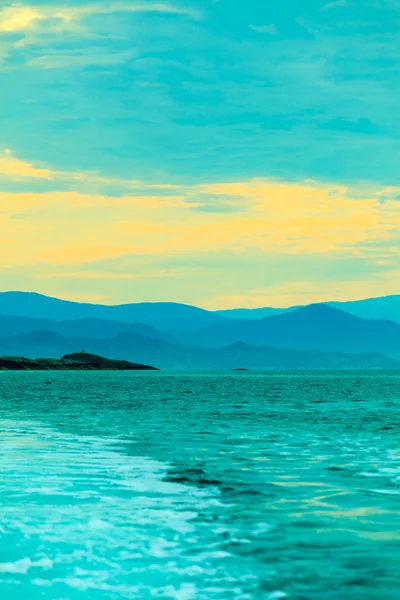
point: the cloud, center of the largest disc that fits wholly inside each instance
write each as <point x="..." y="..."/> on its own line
<point x="101" y="274"/>
<point x="24" y="17"/>
<point x="292" y="242"/>
<point x="271" y="29"/>
<point x="117" y="79"/>
<point x="15" y="18"/>
<point x="13" y="168"/>
<point x="261" y="214"/>
<point x="358" y="126"/>
<point x="333" y="5"/>
<point x="160" y="140"/>
<point x="304" y="218"/>
<point x="298" y="292"/>
<point x="76" y="60"/>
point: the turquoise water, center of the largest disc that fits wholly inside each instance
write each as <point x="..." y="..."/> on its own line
<point x="199" y="486"/>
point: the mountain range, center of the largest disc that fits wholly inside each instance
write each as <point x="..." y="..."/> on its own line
<point x="169" y="316"/>
<point x="317" y="326"/>
<point x="173" y="315"/>
<point x="89" y="327"/>
<point x="179" y="336"/>
<point x="136" y="348"/>
<point x="385" y="307"/>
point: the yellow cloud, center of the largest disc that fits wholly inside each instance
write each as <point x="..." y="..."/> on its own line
<point x="289" y="218"/>
<point x="64" y="234"/>
<point x="14" y="18"/>
<point x="13" y="168"/>
<point x="19" y="18"/>
<point x="109" y="275"/>
<point x="279" y="217"/>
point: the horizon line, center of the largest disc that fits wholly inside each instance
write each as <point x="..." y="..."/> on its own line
<point x="249" y="308"/>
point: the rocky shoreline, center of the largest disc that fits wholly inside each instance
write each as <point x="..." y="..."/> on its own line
<point x="78" y="361"/>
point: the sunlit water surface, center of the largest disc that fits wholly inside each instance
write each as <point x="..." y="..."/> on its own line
<point x="199" y="486"/>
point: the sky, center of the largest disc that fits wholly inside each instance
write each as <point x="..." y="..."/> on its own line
<point x="214" y="152"/>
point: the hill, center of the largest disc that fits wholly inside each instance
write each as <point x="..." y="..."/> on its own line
<point x="314" y="327"/>
<point x="253" y="313"/>
<point x="168" y="316"/>
<point x="139" y="349"/>
<point x="385" y="307"/>
<point x="90" y="327"/>
<point x="317" y="326"/>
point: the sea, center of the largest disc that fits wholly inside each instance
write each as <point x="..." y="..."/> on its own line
<point x="199" y="486"/>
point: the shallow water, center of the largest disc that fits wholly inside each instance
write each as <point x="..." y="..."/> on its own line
<point x="199" y="486"/>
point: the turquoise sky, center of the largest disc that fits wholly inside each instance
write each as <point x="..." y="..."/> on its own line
<point x="124" y="100"/>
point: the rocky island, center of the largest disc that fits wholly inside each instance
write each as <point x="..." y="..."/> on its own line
<point x="78" y="361"/>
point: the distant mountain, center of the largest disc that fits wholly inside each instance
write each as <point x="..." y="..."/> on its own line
<point x="173" y="317"/>
<point x="10" y="325"/>
<point x="253" y="313"/>
<point x="317" y="326"/>
<point x="385" y="307"/>
<point x="140" y="349"/>
<point x="37" y="344"/>
<point x="91" y="328"/>
<point x="167" y="316"/>
<point x="99" y="328"/>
